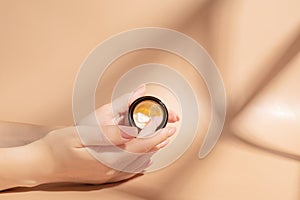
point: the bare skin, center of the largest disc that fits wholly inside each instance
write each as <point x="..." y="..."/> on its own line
<point x="59" y="156"/>
<point x="250" y="41"/>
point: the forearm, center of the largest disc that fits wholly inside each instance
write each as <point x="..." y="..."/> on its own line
<point x="27" y="165"/>
<point x="18" y="134"/>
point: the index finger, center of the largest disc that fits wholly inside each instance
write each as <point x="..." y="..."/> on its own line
<point x="144" y="145"/>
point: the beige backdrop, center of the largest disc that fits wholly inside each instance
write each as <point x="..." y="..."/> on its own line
<point x="255" y="45"/>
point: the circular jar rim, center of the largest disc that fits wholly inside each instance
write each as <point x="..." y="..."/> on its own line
<point x="148" y="98"/>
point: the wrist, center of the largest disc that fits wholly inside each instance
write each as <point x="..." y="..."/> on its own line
<point x="26" y="166"/>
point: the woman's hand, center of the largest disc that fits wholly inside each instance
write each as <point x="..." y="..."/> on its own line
<point x="62" y="155"/>
<point x="73" y="159"/>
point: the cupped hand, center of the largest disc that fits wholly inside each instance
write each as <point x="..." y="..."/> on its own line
<point x="112" y="153"/>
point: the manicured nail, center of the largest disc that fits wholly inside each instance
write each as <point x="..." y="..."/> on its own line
<point x="128" y="132"/>
<point x="176" y="117"/>
<point x="125" y="136"/>
<point x="171" y="131"/>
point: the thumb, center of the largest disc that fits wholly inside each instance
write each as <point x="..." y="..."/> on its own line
<point x="121" y="104"/>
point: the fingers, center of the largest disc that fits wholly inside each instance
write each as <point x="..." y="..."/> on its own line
<point x="139" y="164"/>
<point x="124" y="135"/>
<point x="137" y="93"/>
<point x="136" y="154"/>
<point x="150" y="128"/>
<point x="142" y="145"/>
<point x="109" y="135"/>
<point x="132" y="155"/>
<point x="161" y="145"/>
<point x="118" y="135"/>
<point x="121" y="104"/>
<point x="173" y="117"/>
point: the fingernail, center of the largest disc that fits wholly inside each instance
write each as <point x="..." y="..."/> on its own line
<point x="163" y="144"/>
<point x="125" y="136"/>
<point x="128" y="132"/>
<point x="171" y="131"/>
<point x="139" y="89"/>
<point x="176" y="116"/>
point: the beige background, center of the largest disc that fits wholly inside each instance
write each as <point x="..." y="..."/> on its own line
<point x="254" y="43"/>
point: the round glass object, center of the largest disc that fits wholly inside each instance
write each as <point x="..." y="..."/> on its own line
<point x="146" y="110"/>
